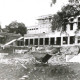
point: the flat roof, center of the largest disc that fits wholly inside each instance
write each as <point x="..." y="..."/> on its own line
<point x="45" y="17"/>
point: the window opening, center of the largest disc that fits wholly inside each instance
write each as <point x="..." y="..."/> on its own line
<point x="22" y="43"/>
<point x="58" y="41"/>
<point x="52" y="41"/>
<point x="78" y="18"/>
<point x="71" y="19"/>
<point x="46" y="41"/>
<point x="71" y="26"/>
<point x="26" y="42"/>
<point x="36" y="41"/>
<point x="41" y="41"/>
<point x="65" y="40"/>
<point x="72" y="40"/>
<point x="31" y="41"/>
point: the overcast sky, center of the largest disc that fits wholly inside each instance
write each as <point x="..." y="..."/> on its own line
<point x="26" y="11"/>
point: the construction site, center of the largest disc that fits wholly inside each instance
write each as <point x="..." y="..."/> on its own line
<point x="42" y="54"/>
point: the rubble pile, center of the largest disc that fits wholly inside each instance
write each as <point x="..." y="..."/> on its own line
<point x="69" y="50"/>
<point x="60" y="57"/>
<point x="24" y="67"/>
<point x="22" y="60"/>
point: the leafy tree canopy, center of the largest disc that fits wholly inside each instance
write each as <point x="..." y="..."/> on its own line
<point x="16" y="27"/>
<point x="66" y="12"/>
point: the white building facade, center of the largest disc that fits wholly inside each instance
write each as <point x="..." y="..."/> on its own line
<point x="70" y="36"/>
<point x="43" y="26"/>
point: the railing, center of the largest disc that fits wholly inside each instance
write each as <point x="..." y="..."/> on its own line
<point x="10" y="42"/>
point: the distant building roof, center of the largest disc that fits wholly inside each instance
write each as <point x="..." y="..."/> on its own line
<point x="45" y="16"/>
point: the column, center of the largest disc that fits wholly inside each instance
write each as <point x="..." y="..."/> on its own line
<point x="76" y="39"/>
<point x="55" y="38"/>
<point x="24" y="42"/>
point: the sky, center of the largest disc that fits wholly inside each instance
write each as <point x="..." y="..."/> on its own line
<point x="26" y="11"/>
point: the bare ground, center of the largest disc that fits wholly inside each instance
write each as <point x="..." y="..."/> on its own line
<point x="37" y="71"/>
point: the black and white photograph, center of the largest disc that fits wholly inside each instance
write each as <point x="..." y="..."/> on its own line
<point x="39" y="39"/>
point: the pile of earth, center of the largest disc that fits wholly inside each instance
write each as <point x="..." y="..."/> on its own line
<point x="24" y="67"/>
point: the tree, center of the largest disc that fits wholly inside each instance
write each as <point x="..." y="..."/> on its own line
<point x="70" y="1"/>
<point x="53" y="2"/>
<point x="15" y="27"/>
<point x="66" y="12"/>
<point x="21" y="29"/>
<point x="56" y="22"/>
